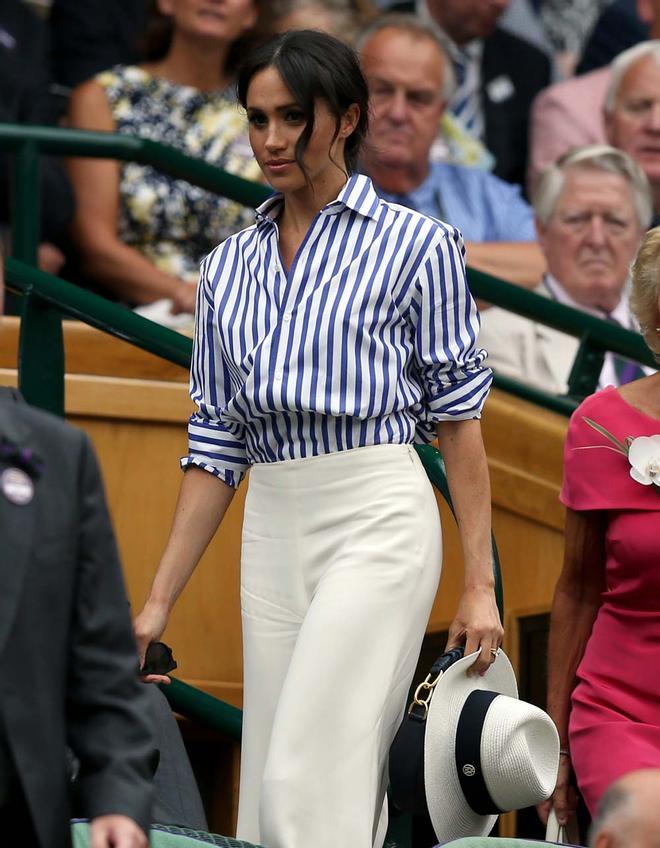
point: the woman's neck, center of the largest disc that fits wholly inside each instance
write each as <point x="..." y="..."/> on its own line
<point x="644" y="395"/>
<point x="198" y="63"/>
<point x="300" y="207"/>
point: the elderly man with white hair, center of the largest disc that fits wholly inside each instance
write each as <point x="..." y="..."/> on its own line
<point x="632" y="110"/>
<point x="592" y="209"/>
<point x="570" y="113"/>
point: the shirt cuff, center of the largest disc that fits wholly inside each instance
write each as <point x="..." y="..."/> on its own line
<point x="460" y="401"/>
<point x="227" y="475"/>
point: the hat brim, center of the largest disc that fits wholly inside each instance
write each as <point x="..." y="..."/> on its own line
<point x="451" y="816"/>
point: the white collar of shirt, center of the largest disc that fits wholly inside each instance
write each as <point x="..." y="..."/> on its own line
<point x="357" y="194"/>
<point x="621" y="312"/>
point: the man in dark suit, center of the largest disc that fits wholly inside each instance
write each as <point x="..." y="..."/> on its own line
<point x="497" y="75"/>
<point x="68" y="661"/>
<point x="621" y="25"/>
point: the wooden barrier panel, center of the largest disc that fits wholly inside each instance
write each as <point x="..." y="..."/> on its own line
<point x="135" y="407"/>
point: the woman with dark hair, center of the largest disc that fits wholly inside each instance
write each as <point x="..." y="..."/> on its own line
<point x="141" y="234"/>
<point x="330" y="336"/>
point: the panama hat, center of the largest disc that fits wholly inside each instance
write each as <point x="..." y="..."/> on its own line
<point x="485" y="751"/>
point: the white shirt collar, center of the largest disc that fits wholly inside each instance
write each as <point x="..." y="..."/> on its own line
<point x="357" y="194"/>
<point x="621" y="312"/>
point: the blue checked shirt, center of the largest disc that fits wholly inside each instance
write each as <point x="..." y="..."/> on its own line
<point x="370" y="338"/>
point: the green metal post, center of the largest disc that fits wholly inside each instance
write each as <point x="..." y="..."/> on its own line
<point x="25" y="202"/>
<point x="41" y="346"/>
<point x="41" y="355"/>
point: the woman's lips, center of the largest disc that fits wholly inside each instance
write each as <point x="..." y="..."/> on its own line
<point x="277" y="165"/>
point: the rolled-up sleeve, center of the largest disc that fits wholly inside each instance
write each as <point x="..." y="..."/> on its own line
<point x="446" y="324"/>
<point x="215" y="442"/>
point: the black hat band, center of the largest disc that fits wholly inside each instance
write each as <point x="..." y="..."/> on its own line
<point x="468" y="752"/>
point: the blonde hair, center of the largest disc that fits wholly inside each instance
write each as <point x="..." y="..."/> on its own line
<point x="645" y="290"/>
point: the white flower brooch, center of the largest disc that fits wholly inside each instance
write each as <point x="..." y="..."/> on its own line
<point x="643" y="454"/>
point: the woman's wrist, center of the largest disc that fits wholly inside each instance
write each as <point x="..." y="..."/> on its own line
<point x="160" y="603"/>
<point x="480" y="584"/>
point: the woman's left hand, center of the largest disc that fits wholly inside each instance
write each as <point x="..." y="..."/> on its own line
<point x="477" y="625"/>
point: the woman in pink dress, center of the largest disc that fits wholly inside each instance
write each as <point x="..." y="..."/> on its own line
<point x="604" y="651"/>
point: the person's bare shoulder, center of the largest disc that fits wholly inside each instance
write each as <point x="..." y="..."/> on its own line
<point x="89" y="108"/>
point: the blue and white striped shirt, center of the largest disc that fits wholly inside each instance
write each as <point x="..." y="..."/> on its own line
<point x="370" y="338"/>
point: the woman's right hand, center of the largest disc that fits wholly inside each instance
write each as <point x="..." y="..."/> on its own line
<point x="149" y="626"/>
<point x="564" y="799"/>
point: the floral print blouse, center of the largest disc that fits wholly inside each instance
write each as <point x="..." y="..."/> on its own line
<point x="172" y="223"/>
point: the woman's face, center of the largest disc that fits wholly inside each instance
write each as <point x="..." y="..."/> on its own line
<point x="217" y="20"/>
<point x="276" y="122"/>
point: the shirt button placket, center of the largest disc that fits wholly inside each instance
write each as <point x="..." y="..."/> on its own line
<point x="286" y="319"/>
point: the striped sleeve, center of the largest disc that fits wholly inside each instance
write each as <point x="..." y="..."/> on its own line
<point x="215" y="442"/>
<point x="446" y="324"/>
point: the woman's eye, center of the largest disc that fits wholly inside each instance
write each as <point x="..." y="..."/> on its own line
<point x="256" y="120"/>
<point x="295" y="116"/>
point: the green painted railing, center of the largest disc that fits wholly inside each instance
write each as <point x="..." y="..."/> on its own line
<point x="41" y="375"/>
<point x="204" y="708"/>
<point x="27" y="143"/>
<point x="42" y="364"/>
<point x="46" y="299"/>
<point x="596" y="336"/>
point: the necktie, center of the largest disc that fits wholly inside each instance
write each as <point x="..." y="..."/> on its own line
<point x="626" y="370"/>
<point x="466" y="102"/>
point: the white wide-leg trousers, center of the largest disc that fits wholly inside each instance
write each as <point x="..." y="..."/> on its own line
<point x="340" y="565"/>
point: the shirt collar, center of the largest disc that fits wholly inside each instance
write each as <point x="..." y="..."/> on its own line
<point x="357" y="194"/>
<point x="621" y="312"/>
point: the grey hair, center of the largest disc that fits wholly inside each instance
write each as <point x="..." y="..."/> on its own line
<point x="599" y="157"/>
<point x="622" y="63"/>
<point x="645" y="291"/>
<point x="413" y="26"/>
<point x="612" y="801"/>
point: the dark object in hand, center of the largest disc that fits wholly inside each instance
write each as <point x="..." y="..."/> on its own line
<point x="158" y="659"/>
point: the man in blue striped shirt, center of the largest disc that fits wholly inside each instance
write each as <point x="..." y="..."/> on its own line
<point x="410" y="81"/>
